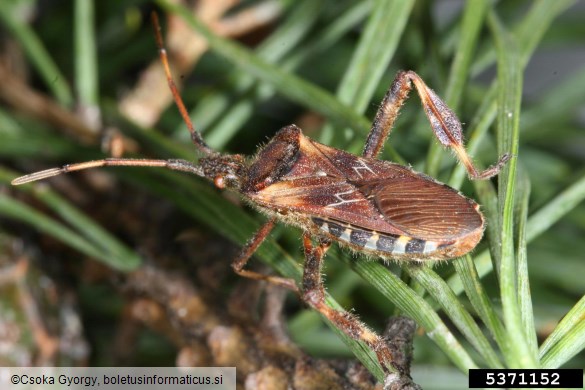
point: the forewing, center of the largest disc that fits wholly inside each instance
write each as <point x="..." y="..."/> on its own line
<point x="325" y="197"/>
<point x="424" y="208"/>
<point x="353" y="168"/>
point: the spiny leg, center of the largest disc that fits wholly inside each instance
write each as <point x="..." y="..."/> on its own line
<point x="314" y="296"/>
<point x="248" y="250"/>
<point x="444" y="122"/>
<point x="175" y="165"/>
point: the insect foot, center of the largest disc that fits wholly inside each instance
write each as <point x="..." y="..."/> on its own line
<point x="399" y="335"/>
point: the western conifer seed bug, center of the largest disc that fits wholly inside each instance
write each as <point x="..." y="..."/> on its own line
<point x="374" y="207"/>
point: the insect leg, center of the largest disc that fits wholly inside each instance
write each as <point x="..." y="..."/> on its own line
<point x="314" y="296"/>
<point x="175" y="165"/>
<point x="247" y="252"/>
<point x="386" y="115"/>
<point x="444" y="122"/>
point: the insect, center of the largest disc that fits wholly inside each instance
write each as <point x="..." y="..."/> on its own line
<point x="372" y="206"/>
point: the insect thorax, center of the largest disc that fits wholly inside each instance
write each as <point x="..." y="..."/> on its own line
<point x="274" y="160"/>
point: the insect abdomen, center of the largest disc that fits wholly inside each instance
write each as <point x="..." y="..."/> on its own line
<point x="376" y="241"/>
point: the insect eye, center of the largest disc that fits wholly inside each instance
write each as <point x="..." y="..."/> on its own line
<point x="219" y="182"/>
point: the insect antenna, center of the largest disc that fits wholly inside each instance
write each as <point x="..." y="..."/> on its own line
<point x="195" y="135"/>
<point x="174" y="165"/>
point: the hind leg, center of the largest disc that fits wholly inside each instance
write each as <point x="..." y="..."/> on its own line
<point x="314" y="295"/>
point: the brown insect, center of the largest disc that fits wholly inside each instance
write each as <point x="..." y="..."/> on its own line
<point x="374" y="207"/>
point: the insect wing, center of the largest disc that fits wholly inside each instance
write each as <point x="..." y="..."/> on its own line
<point x="325" y="197"/>
<point x="424" y="208"/>
<point x="413" y="204"/>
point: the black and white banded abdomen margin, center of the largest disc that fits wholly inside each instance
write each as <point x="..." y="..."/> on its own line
<point x="376" y="241"/>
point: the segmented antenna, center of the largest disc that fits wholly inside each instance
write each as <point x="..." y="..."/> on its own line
<point x="195" y="136"/>
<point x="175" y="165"/>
